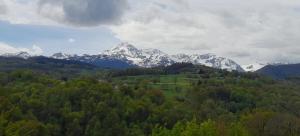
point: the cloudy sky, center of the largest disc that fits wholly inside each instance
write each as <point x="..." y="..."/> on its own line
<point x="245" y="31"/>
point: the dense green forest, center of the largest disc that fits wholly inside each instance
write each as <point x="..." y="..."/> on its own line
<point x="179" y="100"/>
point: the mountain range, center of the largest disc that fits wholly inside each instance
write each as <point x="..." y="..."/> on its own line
<point x="126" y="55"/>
<point x="132" y="56"/>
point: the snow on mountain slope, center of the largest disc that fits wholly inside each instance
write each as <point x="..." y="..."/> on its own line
<point x="253" y="67"/>
<point x="62" y="56"/>
<point x="209" y="60"/>
<point x="155" y="57"/>
<point x="182" y="58"/>
<point x="125" y="52"/>
<point x="140" y="57"/>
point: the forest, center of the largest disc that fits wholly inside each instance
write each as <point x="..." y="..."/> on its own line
<point x="178" y="100"/>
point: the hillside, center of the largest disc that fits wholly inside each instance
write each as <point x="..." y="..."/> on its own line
<point x="196" y="100"/>
<point x="46" y="65"/>
<point x="281" y="71"/>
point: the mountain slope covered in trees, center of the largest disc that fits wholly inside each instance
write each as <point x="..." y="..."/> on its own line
<point x="179" y="100"/>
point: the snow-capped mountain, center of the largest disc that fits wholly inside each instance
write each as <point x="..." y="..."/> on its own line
<point x="155" y="57"/>
<point x="139" y="57"/>
<point x="62" y="56"/>
<point x="152" y="57"/>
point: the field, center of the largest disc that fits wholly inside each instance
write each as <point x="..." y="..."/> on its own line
<point x="171" y="85"/>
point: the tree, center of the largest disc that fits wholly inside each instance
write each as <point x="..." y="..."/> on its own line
<point x="256" y="122"/>
<point x="237" y="129"/>
<point x="208" y="128"/>
<point x="3" y="123"/>
<point x="74" y="128"/>
<point x="26" y="128"/>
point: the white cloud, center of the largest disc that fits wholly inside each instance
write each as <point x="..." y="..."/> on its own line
<point x="8" y="49"/>
<point x="247" y="31"/>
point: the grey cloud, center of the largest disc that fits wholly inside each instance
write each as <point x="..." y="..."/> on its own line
<point x="196" y="47"/>
<point x="230" y="20"/>
<point x="89" y="12"/>
<point x="235" y="54"/>
<point x="3" y="8"/>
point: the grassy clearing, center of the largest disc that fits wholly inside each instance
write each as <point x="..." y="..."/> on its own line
<point x="171" y="85"/>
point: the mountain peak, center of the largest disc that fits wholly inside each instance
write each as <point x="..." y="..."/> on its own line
<point x="124" y="46"/>
<point x="61" y="55"/>
<point x="123" y="50"/>
<point x="153" y="51"/>
<point x="24" y="55"/>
